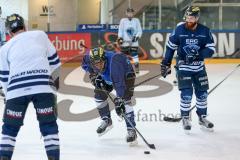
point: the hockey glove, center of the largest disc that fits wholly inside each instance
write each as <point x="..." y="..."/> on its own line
<point x="120" y="41"/>
<point x="100" y="83"/>
<point x="192" y="56"/>
<point x="135" y="39"/>
<point x="119" y="106"/>
<point x="92" y="78"/>
<point x="165" y="69"/>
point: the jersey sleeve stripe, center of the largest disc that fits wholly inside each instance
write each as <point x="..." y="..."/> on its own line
<point x="3" y="79"/>
<point x="4" y="72"/>
<point x="210" y="45"/>
<point x="173" y="48"/>
<point x="53" y="57"/>
<point x="212" y="48"/>
<point x="55" y="62"/>
<point x="169" y="44"/>
<point x="172" y="44"/>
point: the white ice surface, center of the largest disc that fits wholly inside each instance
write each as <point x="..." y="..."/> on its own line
<point x="80" y="141"/>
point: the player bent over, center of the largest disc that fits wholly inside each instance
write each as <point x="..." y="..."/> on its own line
<point x="27" y="62"/>
<point x="193" y="42"/>
<point x="110" y="70"/>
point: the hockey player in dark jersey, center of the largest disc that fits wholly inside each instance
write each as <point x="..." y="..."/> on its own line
<point x="194" y="43"/>
<point x="110" y="70"/>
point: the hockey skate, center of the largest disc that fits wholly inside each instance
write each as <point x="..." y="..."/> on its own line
<point x="4" y="158"/>
<point x="186" y="124"/>
<point x="205" y="124"/>
<point x="51" y="158"/>
<point x="136" y="66"/>
<point x="104" y="127"/>
<point x="132" y="137"/>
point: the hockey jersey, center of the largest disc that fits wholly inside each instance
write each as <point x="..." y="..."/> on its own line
<point x="183" y="40"/>
<point x="117" y="67"/>
<point x="26" y="63"/>
<point x="128" y="29"/>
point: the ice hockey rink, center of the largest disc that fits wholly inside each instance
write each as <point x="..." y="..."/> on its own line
<point x="78" y="134"/>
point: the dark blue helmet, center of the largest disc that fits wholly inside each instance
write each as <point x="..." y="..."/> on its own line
<point x="14" y="23"/>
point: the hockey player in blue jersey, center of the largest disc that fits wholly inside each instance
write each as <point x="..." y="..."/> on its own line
<point x="28" y="62"/>
<point x="129" y="33"/>
<point x="194" y="43"/>
<point x="108" y="70"/>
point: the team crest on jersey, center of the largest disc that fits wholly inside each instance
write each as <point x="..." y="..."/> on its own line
<point x="130" y="32"/>
<point x="191" y="49"/>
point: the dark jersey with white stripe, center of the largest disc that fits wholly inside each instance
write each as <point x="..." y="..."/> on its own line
<point x="184" y="40"/>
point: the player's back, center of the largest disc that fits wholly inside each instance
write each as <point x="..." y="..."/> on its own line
<point x="27" y="51"/>
<point x="27" y="55"/>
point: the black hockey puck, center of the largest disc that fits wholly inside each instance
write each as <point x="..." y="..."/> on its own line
<point x="146" y="152"/>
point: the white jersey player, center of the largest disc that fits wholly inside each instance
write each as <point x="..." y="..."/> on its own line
<point x="129" y="33"/>
<point x="2" y="30"/>
<point x="27" y="62"/>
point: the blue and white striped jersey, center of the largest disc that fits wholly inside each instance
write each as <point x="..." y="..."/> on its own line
<point x="184" y="40"/>
<point x="27" y="62"/>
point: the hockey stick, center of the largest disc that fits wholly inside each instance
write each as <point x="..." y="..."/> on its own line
<point x="172" y="119"/>
<point x="152" y="146"/>
<point x="140" y="83"/>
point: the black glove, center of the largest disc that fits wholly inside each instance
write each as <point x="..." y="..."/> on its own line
<point x="120" y="41"/>
<point x="100" y="83"/>
<point x="135" y="39"/>
<point x="119" y="106"/>
<point x="165" y="69"/>
<point x="192" y="56"/>
<point x="97" y="80"/>
<point x="92" y="78"/>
